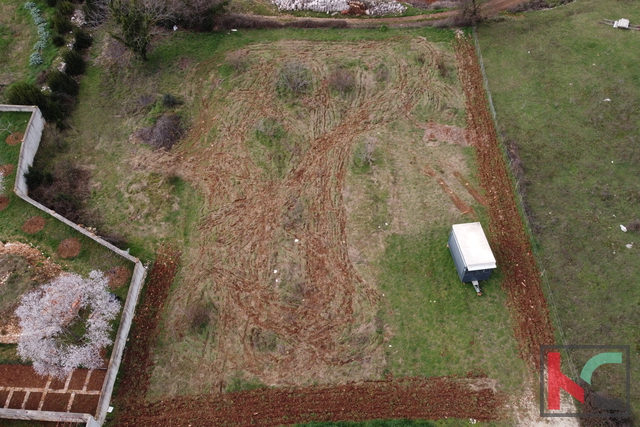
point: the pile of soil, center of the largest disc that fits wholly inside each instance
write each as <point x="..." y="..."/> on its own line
<point x="7" y="169"/>
<point x="15" y="138"/>
<point x="69" y="248"/>
<point x="33" y="225"/>
<point x="118" y="276"/>
<point x="4" y="202"/>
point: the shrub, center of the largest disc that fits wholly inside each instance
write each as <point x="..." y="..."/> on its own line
<point x="170" y="101"/>
<point x="35" y="59"/>
<point x="342" y="81"/>
<point x="65" y="7"/>
<point x="199" y="15"/>
<point x="164" y="134"/>
<point x="58" y="40"/>
<point x="634" y="225"/>
<point x="61" y="82"/>
<point x="83" y="39"/>
<point x="66" y="190"/>
<point x="75" y="63"/>
<point x="294" y="80"/>
<point x="36" y="178"/>
<point x="24" y="93"/>
<point x="61" y="23"/>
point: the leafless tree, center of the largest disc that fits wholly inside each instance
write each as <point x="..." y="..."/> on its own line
<point x="66" y="323"/>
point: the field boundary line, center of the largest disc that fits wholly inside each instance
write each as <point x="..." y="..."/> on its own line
<point x="28" y="149"/>
<point x="520" y="202"/>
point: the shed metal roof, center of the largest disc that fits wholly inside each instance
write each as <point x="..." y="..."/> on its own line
<point x="474" y="246"/>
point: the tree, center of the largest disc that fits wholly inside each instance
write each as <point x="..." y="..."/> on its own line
<point x="136" y="21"/>
<point x="66" y="323"/>
<point x="469" y="14"/>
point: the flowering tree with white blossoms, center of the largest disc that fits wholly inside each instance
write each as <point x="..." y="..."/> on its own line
<point x="66" y="323"/>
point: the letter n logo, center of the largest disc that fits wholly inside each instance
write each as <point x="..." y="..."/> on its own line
<point x="558" y="380"/>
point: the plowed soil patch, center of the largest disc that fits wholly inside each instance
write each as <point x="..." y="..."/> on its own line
<point x="416" y="398"/>
<point x="511" y="244"/>
<point x="69" y="248"/>
<point x="34" y="224"/>
<point x="15" y="138"/>
<point x="4" y="202"/>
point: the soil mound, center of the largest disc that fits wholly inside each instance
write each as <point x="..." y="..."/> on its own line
<point x="4" y="202"/>
<point x="118" y="276"/>
<point x="15" y="138"/>
<point x="34" y="224"/>
<point x="69" y="248"/>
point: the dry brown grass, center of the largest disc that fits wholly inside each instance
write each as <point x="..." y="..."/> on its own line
<point x="272" y="253"/>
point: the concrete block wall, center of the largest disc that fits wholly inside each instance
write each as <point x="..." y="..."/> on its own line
<point x="28" y="150"/>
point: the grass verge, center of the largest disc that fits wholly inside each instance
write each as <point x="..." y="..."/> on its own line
<point x="567" y="100"/>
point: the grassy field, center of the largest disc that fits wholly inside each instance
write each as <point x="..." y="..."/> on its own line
<point x="567" y="97"/>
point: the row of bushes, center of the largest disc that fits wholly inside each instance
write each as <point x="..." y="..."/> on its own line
<point x="43" y="34"/>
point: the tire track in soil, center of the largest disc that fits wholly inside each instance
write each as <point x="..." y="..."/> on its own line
<point x="522" y="283"/>
<point x="244" y="225"/>
<point x="246" y="220"/>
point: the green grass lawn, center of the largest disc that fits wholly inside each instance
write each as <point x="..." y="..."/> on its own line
<point x="567" y="93"/>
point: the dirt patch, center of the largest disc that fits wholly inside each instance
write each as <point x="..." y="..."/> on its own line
<point x="69" y="248"/>
<point x="7" y="169"/>
<point x="96" y="380"/>
<point x="137" y="361"/>
<point x="56" y="402"/>
<point x="34" y="224"/>
<point x="4" y="202"/>
<point x="20" y="376"/>
<point x="511" y="244"/>
<point x="414" y="398"/>
<point x="33" y="401"/>
<point x="17" y="399"/>
<point x="436" y="132"/>
<point x="14" y="138"/>
<point x="85" y="404"/>
<point x="118" y="276"/>
<point x="78" y="378"/>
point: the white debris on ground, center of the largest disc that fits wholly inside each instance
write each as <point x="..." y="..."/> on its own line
<point x="623" y="228"/>
<point x="328" y="6"/>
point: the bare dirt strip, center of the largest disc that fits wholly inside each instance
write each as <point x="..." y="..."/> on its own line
<point x="416" y="398"/>
<point x="511" y="244"/>
<point x="137" y="361"/>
